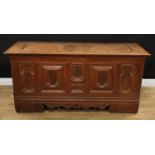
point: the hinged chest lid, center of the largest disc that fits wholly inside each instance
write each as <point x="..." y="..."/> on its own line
<point x="71" y="48"/>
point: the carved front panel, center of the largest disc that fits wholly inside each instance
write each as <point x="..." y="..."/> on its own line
<point x="127" y="78"/>
<point x="27" y="77"/>
<point x="77" y="78"/>
<point x="52" y="78"/>
<point x="101" y="79"/>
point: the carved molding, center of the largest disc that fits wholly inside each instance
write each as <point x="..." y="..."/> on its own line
<point x="76" y="91"/>
<point x="127" y="78"/>
<point x="27" y="77"/>
<point x="79" y="106"/>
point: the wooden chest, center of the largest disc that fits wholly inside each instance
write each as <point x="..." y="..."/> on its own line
<point x="76" y="75"/>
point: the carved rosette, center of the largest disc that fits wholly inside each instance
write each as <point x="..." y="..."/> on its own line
<point x="127" y="78"/>
<point x="27" y="77"/>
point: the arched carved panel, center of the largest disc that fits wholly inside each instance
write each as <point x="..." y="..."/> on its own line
<point x="127" y="78"/>
<point x="27" y="77"/>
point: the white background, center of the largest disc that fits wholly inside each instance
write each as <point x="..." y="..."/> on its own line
<point x="77" y="138"/>
<point x="77" y="17"/>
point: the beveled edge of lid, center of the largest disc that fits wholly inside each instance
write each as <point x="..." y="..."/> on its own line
<point x="10" y="50"/>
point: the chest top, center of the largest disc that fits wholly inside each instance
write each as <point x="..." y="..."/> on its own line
<point x="71" y="48"/>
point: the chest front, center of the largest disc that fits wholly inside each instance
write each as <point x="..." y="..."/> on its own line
<point x="48" y="78"/>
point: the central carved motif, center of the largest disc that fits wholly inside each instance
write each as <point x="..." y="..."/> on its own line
<point x="77" y="74"/>
<point x="52" y="81"/>
<point x="77" y="48"/>
<point x="77" y="78"/>
<point x="102" y="79"/>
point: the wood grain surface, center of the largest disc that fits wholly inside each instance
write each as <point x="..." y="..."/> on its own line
<point x="70" y="48"/>
<point x="146" y="109"/>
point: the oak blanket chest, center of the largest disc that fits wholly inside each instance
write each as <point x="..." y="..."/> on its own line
<point x="76" y="75"/>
